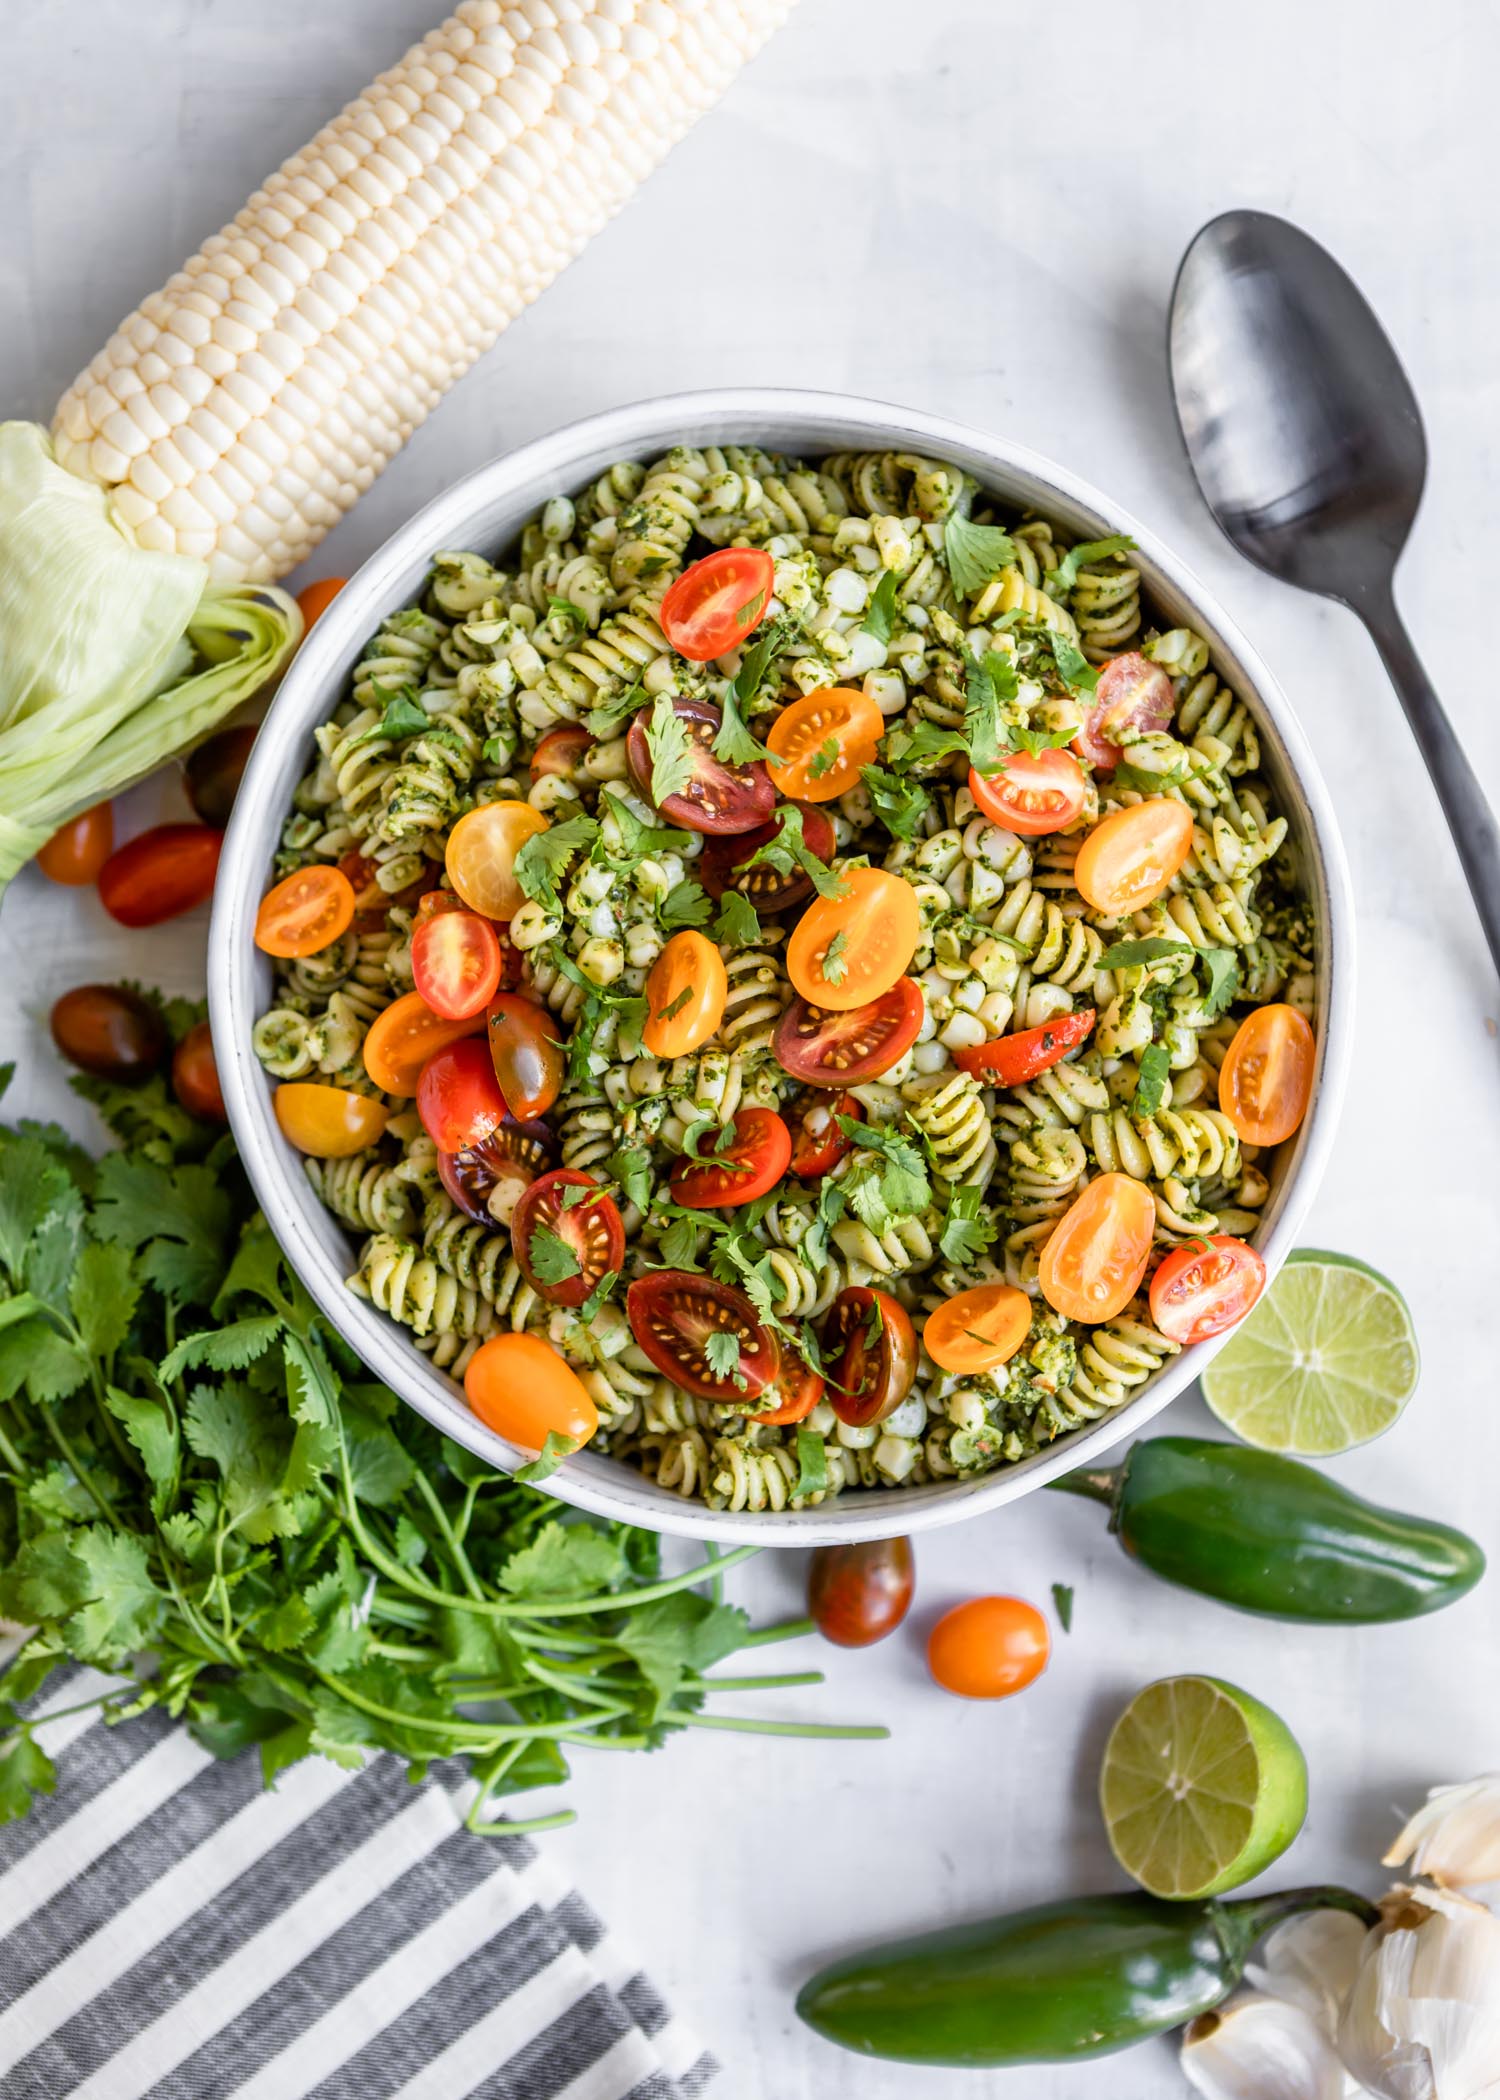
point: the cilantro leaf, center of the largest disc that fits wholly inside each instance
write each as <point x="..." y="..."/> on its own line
<point x="990" y="682"/>
<point x="738" y="923"/>
<point x="563" y="1560"/>
<point x="679" y="1243"/>
<point x="607" y="718"/>
<point x="176" y="1218"/>
<point x="540" y="863"/>
<point x="671" y="750"/>
<point x="1062" y="1600"/>
<point x="555" y="1449"/>
<point x="732" y="740"/>
<point x="567" y="614"/>
<point x="403" y="717"/>
<point x="966" y="1231"/>
<point x="1222" y="968"/>
<point x="880" y="613"/>
<point x="679" y="1634"/>
<point x="1125" y="775"/>
<point x="723" y="1352"/>
<point x="892" y="1181"/>
<point x="597" y="1296"/>
<point x="1152" y="1084"/>
<point x="1133" y="955"/>
<point x="151" y="1429"/>
<point x="549" y="1254"/>
<point x="32" y="1185"/>
<point x="1065" y="575"/>
<point x="630" y="1166"/>
<point x="789" y="850"/>
<point x="835" y="963"/>
<point x="824" y="759"/>
<point x="812" y="1465"/>
<point x="1073" y="667"/>
<point x="899" y="802"/>
<point x="228" y="1348"/>
<point x="638" y="839"/>
<point x="974" y="553"/>
<point x="124" y="1604"/>
<point x="687" y="903"/>
<point x="775" y="637"/>
<point x="25" y="1770"/>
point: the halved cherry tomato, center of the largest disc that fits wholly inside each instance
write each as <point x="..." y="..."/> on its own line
<point x="1132" y="854"/>
<point x="328" y="1122"/>
<point x="859" y="1593"/>
<point x="74" y="854"/>
<point x="1267" y="1078"/>
<point x="519" y="1386"/>
<point x="111" y="1031"/>
<point x="1133" y="695"/>
<point x="314" y="599"/>
<point x="800" y="1388"/>
<point x="305" y="913"/>
<point x="212" y="772"/>
<point x="163" y="873"/>
<point x="527" y="1053"/>
<point x="1203" y="1288"/>
<point x="819" y="1141"/>
<point x="685" y="995"/>
<point x="1010" y="1060"/>
<point x="481" y="856"/>
<point x="819" y="743"/>
<point x="823" y="1048"/>
<point x="716" y="796"/>
<point x="459" y="1098"/>
<point x="978" y="1329"/>
<point x="749" y="1166"/>
<point x="723" y="863"/>
<point x="402" y="1038"/>
<point x="486" y="1181"/>
<point x="561" y="750"/>
<point x="715" y="605"/>
<point x="1038" y="792"/>
<point x="869" y="1355"/>
<point x="989" y="1647"/>
<point x="847" y="951"/>
<point x="195" y="1076"/>
<point x="1092" y="1265"/>
<point x="566" y="1243"/>
<point x="456" y="962"/>
<point x="672" y="1314"/>
<point x="371" y="902"/>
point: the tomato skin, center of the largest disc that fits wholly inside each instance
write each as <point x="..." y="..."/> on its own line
<point x="526" y="1052"/>
<point x="819" y="1141"/>
<point x="716" y="604"/>
<point x="797" y="739"/>
<point x="722" y="864"/>
<point x="685" y="995"/>
<point x="880" y="923"/>
<point x="869" y="1375"/>
<point x="1266" y="1083"/>
<point x="989" y="1647"/>
<point x="747" y="1168"/>
<point x="458" y="1098"/>
<point x="403" y="1036"/>
<point x="1133" y="694"/>
<point x="1036" y="793"/>
<point x="859" y="1594"/>
<point x="520" y="1387"/>
<point x="1132" y="854"/>
<point x="1010" y="1060"/>
<point x="212" y="773"/>
<point x="195" y="1076"/>
<point x="1093" y="1264"/>
<point x="486" y="1181"/>
<point x="593" y="1230"/>
<point x="823" y="1048"/>
<point x="1199" y="1292"/>
<point x="314" y="599"/>
<point x="77" y="851"/>
<point x="717" y="799"/>
<point x="803" y="1388"/>
<point x="978" y="1329"/>
<point x="305" y="913"/>
<point x="371" y="902"/>
<point x="456" y="962"/>
<point x="673" y="1311"/>
<point x="161" y="874"/>
<point x="327" y="1122"/>
<point x="481" y="856"/>
<point x="562" y="750"/>
<point x="111" y="1031"/>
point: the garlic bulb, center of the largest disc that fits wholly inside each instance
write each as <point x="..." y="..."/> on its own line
<point x="1455" y="1838"/>
<point x="1423" y="2019"/>
<point x="1255" y="2047"/>
<point x="1311" y="1962"/>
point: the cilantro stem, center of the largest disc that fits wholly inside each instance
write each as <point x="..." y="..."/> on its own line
<point x="440" y="1517"/>
<point x="401" y="1652"/>
<point x="80" y="1471"/>
<point x="851" y="1731"/>
<point x="507" y="1828"/>
<point x="12" y="1457"/>
<point x="787" y="1630"/>
<point x="576" y="1687"/>
<point x="469" y="1731"/>
<point x="755" y="1684"/>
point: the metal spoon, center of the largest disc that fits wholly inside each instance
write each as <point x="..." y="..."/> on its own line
<point x="1304" y="434"/>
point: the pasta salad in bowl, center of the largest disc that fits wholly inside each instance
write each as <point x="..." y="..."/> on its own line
<point x="778" y="968"/>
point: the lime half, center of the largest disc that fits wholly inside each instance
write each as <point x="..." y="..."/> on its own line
<point x="1327" y="1360"/>
<point x="1202" y="1787"/>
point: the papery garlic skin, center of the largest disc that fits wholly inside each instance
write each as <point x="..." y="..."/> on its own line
<point x="1423" y="2019"/>
<point x="1455" y="1838"/>
<point x="1255" y="2047"/>
<point x="1311" y="1962"/>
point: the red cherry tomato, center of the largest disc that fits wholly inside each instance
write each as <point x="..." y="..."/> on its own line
<point x="822" y="1048"/>
<point x="111" y="1031"/>
<point x="458" y="1098"/>
<point x="163" y="873"/>
<point x="989" y="1648"/>
<point x="74" y="855"/>
<point x="722" y="865"/>
<point x="715" y="605"/>
<point x="1010" y="1060"/>
<point x="314" y="599"/>
<point x="527" y="1053"/>
<point x="562" y="750"/>
<point x="566" y="1243"/>
<point x="1203" y="1288"/>
<point x="716" y="796"/>
<point x="869" y="1355"/>
<point x="1038" y="792"/>
<point x="818" y="1138"/>
<point x="486" y="1180"/>
<point x="1133" y="697"/>
<point x="674" y="1312"/>
<point x="456" y="962"/>
<point x="195" y="1076"/>
<point x="799" y="1389"/>
<point x="212" y="773"/>
<point x="858" y="1594"/>
<point x="749" y="1166"/>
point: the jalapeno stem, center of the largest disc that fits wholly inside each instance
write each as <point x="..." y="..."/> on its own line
<point x="1254" y="1915"/>
<point x="1101" y="1486"/>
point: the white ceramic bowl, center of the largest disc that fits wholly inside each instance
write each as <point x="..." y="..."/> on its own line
<point x="485" y="511"/>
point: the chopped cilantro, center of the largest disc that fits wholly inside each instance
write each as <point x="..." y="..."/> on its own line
<point x="1065" y="575"/>
<point x="835" y="962"/>
<point x="1152" y="1084"/>
<point x="900" y="802"/>
<point x="1126" y="775"/>
<point x="675" y="1006"/>
<point x="681" y="1240"/>
<point x="567" y="614"/>
<point x="891" y="1182"/>
<point x="1222" y="968"/>
<point x="608" y="717"/>
<point x="1062" y="1599"/>
<point x="812" y="1465"/>
<point x="789" y="850"/>
<point x="974" y="553"/>
<point x="631" y="1167"/>
<point x="966" y="1231"/>
<point x="1132" y="955"/>
<point x="825" y="758"/>
<point x="549" y="1255"/>
<point x="597" y="1296"/>
<point x="555" y="1449"/>
<point x="738" y="925"/>
<point x="747" y="614"/>
<point x="1073" y="667"/>
<point x="880" y="613"/>
<point x="733" y="741"/>
<point x="638" y="839"/>
<point x="541" y="861"/>
<point x="403" y="717"/>
<point x="671" y="750"/>
<point x="686" y="904"/>
<point x="776" y="636"/>
<point x="723" y="1353"/>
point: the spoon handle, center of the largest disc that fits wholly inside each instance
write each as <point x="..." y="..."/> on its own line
<point x="1470" y="818"/>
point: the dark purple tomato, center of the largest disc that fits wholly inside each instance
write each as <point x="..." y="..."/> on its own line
<point x="109" y="1031"/>
<point x="213" y="772"/>
<point x="858" y="1594"/>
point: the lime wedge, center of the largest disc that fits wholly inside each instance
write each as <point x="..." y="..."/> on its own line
<point x="1327" y="1360"/>
<point x="1202" y="1787"/>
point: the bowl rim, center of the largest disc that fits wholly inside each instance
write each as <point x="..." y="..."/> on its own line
<point x="789" y="419"/>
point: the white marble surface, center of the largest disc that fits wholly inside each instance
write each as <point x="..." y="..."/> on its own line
<point x="979" y="209"/>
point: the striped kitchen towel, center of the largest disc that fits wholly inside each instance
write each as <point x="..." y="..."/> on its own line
<point x="168" y="1928"/>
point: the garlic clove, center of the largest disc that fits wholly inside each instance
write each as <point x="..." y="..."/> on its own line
<point x="1259" y="2048"/>
<point x="1311" y="1961"/>
<point x="1423" y="2019"/>
<point x="1455" y="1837"/>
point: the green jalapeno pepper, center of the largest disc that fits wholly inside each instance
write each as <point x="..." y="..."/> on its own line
<point x="1077" y="1978"/>
<point x="1268" y="1535"/>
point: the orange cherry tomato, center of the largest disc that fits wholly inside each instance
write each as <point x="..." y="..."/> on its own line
<point x="749" y="1166"/>
<point x="847" y="951"/>
<point x="819" y="743"/>
<point x="456" y="962"/>
<point x="520" y="1387"/>
<point x="1204" y="1288"/>
<point x="527" y="1054"/>
<point x="314" y="599"/>
<point x="859" y="1593"/>
<point x="481" y="857"/>
<point x="164" y="872"/>
<point x="402" y="1038"/>
<point x="685" y="995"/>
<point x="328" y="1122"/>
<point x="799" y="1388"/>
<point x="978" y="1329"/>
<point x="989" y="1647"/>
<point x="195" y="1076"/>
<point x="1132" y="854"/>
<point x="1267" y="1079"/>
<point x="1010" y="1060"/>
<point x="1037" y="792"/>
<point x="1092" y="1265"/>
<point x="718" y="603"/>
<point x="74" y="854"/>
<point x="306" y="913"/>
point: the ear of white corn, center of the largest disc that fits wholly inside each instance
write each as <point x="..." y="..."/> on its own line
<point x="240" y="410"/>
